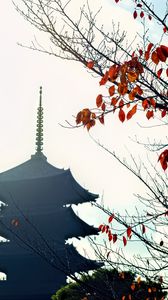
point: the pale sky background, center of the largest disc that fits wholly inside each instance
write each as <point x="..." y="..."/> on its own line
<point x="67" y="87"/>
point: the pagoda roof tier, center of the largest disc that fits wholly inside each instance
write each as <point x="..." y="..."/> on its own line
<point x="57" y="189"/>
<point x="32" y="267"/>
<point x="59" y="224"/>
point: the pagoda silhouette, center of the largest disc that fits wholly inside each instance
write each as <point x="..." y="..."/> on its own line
<point x="36" y="220"/>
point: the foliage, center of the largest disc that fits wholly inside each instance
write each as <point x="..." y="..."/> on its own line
<point x="112" y="285"/>
<point x="136" y="81"/>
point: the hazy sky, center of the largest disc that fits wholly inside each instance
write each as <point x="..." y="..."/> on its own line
<point x="67" y="87"/>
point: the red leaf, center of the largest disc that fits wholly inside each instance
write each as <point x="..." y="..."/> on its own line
<point x="99" y="100"/>
<point x="110" y="237"/>
<point x="159" y="72"/>
<point x="104" y="78"/>
<point x="100" y="227"/>
<point x="103" y="228"/>
<point x="124" y="241"/>
<point x="142" y="14"/>
<point x="145" y="104"/>
<point x="143" y="229"/>
<point x="114" y="238"/>
<point x="149" y="47"/>
<point x="161" y="53"/>
<point x="155" y="57"/>
<point x="163" y="158"/>
<point x="140" y="52"/>
<point x="110" y="219"/>
<point x="149" y="114"/>
<point x="114" y="101"/>
<point x="103" y="107"/>
<point x="129" y="231"/>
<point x="101" y="119"/>
<point x="90" y="64"/>
<point x="135" y="14"/>
<point x="150" y="17"/>
<point x="153" y="102"/>
<point x="116" y="1"/>
<point x="121" y="115"/>
<point x="139" y="5"/>
<point x="79" y="118"/>
<point x="111" y="90"/>
<point x="163" y="113"/>
<point x="132" y="112"/>
<point x="164" y="29"/>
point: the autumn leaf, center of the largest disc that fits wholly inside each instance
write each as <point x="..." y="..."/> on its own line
<point x="103" y="106"/>
<point x="145" y="104"/>
<point x="114" y="101"/>
<point x="163" y="158"/>
<point x="159" y="72"/>
<point x="121" y="115"/>
<point x="135" y="14"/>
<point x="101" y="119"/>
<point x="143" y="229"/>
<point x="152" y="102"/>
<point x="149" y="114"/>
<point x="90" y="124"/>
<point x="111" y="90"/>
<point x="161" y="243"/>
<point x="124" y="241"/>
<point x="99" y="100"/>
<point x="114" y="238"/>
<point x="110" y="219"/>
<point x="155" y="57"/>
<point x="122" y="88"/>
<point x="133" y="286"/>
<point x="129" y="231"/>
<point x="132" y="76"/>
<point x="161" y="54"/>
<point x="163" y="113"/>
<point x="104" y="78"/>
<point x="132" y="112"/>
<point x="113" y="72"/>
<point x="90" y="64"/>
<point x="141" y="14"/>
<point x="110" y="237"/>
<point x="79" y="118"/>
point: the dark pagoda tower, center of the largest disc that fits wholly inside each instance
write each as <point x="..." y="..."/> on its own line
<point x="36" y="220"/>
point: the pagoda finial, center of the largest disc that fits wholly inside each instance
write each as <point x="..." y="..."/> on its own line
<point x="39" y="129"/>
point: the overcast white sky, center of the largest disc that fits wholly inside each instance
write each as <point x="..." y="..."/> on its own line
<point x="67" y="87"/>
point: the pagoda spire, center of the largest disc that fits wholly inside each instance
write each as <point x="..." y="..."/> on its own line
<point x="39" y="127"/>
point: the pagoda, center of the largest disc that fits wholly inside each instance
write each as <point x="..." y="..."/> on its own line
<point x="36" y="220"/>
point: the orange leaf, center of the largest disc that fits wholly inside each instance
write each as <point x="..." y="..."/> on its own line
<point x="114" y="101"/>
<point x="147" y="54"/>
<point x="104" y="78"/>
<point x="90" y="64"/>
<point x="110" y="219"/>
<point x="79" y="118"/>
<point x="90" y="124"/>
<point x="122" y="88"/>
<point x="133" y="286"/>
<point x="129" y="231"/>
<point x="132" y="95"/>
<point x="113" y="72"/>
<point x="149" y="114"/>
<point x="153" y="102"/>
<point x="124" y="241"/>
<point x="132" y="76"/>
<point x="145" y="104"/>
<point x="121" y="115"/>
<point x="155" y="57"/>
<point x="85" y="116"/>
<point x="111" y="90"/>
<point x="149" y="290"/>
<point x="149" y="47"/>
<point x="164" y="50"/>
<point x="99" y="100"/>
<point x="132" y="112"/>
<point x="143" y="229"/>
